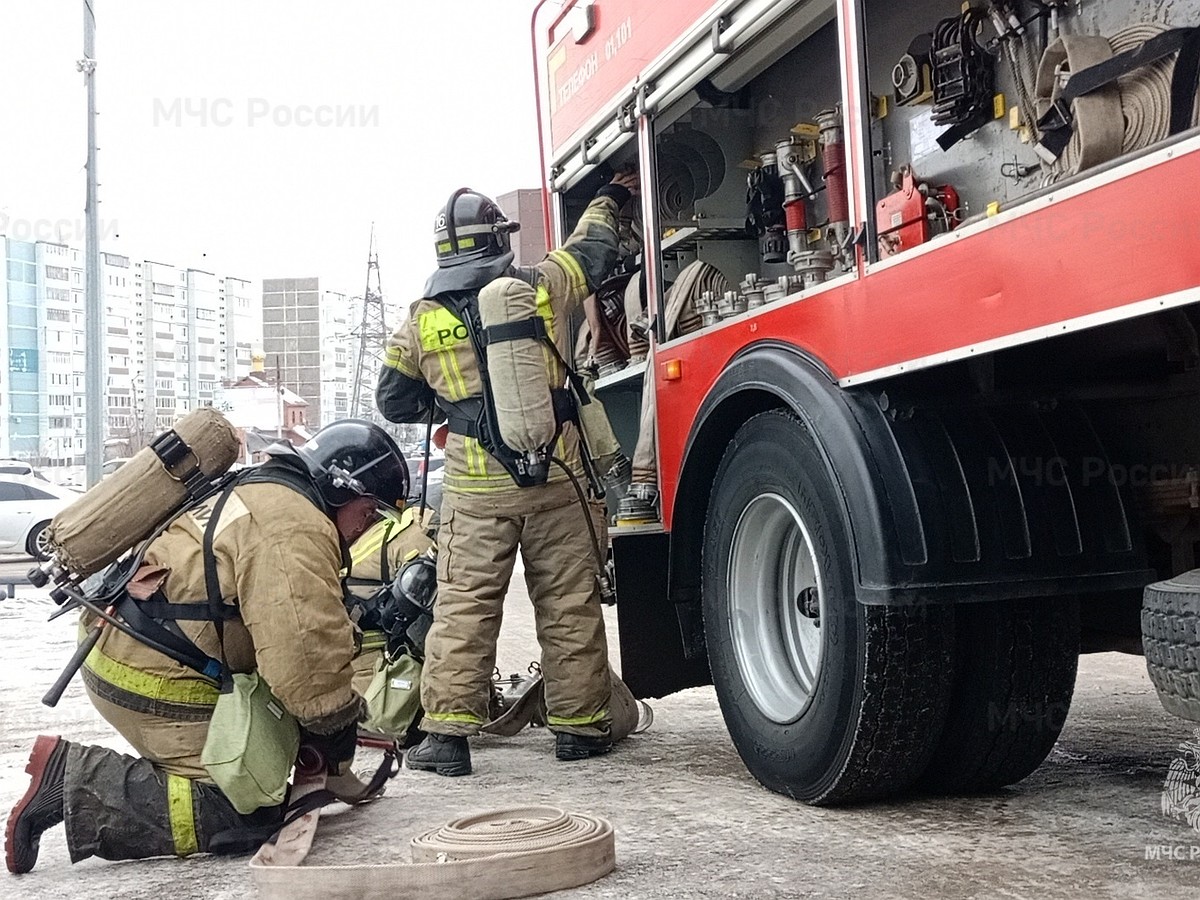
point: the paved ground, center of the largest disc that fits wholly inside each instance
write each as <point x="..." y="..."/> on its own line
<point x="691" y="823"/>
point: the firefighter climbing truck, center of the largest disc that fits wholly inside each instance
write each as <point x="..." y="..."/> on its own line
<point x="941" y="434"/>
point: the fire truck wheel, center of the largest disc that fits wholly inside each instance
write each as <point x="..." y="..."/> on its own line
<point x="827" y="700"/>
<point x="1014" y="674"/>
<point x="1171" y="639"/>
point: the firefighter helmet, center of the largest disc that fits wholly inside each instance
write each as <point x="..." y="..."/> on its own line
<point x="355" y="458"/>
<point x="471" y="239"/>
<point x="471" y="227"/>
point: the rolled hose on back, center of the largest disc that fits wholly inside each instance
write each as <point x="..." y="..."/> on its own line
<point x="126" y="507"/>
<point x="517" y="368"/>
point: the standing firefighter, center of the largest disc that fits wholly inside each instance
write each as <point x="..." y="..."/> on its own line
<point x="249" y="580"/>
<point x="497" y="496"/>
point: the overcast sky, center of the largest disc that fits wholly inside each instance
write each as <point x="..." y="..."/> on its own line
<point x="233" y="184"/>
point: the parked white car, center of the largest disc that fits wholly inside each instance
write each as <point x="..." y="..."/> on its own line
<point x="26" y="508"/>
<point x="20" y="467"/>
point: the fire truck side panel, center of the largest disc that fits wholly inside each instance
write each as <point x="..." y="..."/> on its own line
<point x="946" y="398"/>
<point x="1004" y="284"/>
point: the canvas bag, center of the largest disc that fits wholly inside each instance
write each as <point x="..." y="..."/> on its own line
<point x="394" y="696"/>
<point x="251" y="746"/>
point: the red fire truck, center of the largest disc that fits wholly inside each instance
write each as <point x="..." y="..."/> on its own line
<point x="935" y="431"/>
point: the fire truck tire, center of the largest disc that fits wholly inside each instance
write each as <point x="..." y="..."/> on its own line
<point x="1171" y="640"/>
<point x="827" y="700"/>
<point x="1014" y="674"/>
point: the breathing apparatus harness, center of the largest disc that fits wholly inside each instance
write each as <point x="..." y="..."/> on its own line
<point x="476" y="417"/>
<point x="143" y="619"/>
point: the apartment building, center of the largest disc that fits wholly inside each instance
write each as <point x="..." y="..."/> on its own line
<point x="306" y="337"/>
<point x="241" y="327"/>
<point x="525" y="206"/>
<point x="166" y="351"/>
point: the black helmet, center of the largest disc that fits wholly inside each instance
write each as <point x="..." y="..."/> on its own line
<point x="471" y="238"/>
<point x="355" y="458"/>
<point x="471" y="227"/>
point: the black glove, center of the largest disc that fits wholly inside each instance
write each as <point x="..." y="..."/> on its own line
<point x="336" y="748"/>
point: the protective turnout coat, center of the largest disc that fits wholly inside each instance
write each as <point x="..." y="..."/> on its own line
<point x="278" y="561"/>
<point x="430" y="358"/>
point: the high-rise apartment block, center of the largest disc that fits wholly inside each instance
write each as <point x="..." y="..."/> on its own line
<point x="306" y="336"/>
<point x="172" y="335"/>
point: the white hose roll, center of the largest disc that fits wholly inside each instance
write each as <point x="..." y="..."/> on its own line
<point x="124" y="508"/>
<point x="517" y="368"/>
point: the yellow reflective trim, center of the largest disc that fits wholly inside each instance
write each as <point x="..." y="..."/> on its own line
<point x="546" y="310"/>
<point x="447" y="376"/>
<point x="183" y="819"/>
<point x="461" y="718"/>
<point x="469" y="456"/>
<point x="481" y="458"/>
<point x="574" y="271"/>
<point x="364" y="547"/>
<point x="464" y="243"/>
<point x="394" y="359"/>
<point x="371" y="641"/>
<point x="457" y="371"/>
<point x="477" y="466"/>
<point x="577" y="720"/>
<point x="155" y="687"/>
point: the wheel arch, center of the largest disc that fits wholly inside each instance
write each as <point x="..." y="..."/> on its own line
<point x="946" y="498"/>
<point x="879" y="508"/>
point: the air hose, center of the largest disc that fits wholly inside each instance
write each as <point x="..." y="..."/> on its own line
<point x="607" y="593"/>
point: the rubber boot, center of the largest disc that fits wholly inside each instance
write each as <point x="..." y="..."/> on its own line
<point x="445" y="754"/>
<point x="40" y="808"/>
<point x="572" y="747"/>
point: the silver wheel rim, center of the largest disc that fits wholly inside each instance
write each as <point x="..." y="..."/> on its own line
<point x="41" y="543"/>
<point x="778" y="648"/>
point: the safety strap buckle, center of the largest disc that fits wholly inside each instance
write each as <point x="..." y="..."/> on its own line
<point x="1056" y="126"/>
<point x="533" y="328"/>
<point x="172" y="450"/>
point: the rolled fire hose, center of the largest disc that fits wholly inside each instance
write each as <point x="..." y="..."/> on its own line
<point x="495" y="855"/>
<point x="125" y="508"/>
<point x="1142" y="99"/>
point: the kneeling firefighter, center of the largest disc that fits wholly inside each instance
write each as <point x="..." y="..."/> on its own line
<point x="513" y="463"/>
<point x="242" y="588"/>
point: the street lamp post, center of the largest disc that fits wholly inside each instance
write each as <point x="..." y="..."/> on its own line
<point x="93" y="310"/>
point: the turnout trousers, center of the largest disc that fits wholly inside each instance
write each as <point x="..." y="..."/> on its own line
<point x="122" y="807"/>
<point x="477" y="547"/>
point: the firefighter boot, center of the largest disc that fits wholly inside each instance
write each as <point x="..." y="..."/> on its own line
<point x="446" y="754"/>
<point x="40" y="808"/>
<point x="571" y="747"/>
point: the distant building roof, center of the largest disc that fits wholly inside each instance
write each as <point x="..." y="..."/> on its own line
<point x="249" y="382"/>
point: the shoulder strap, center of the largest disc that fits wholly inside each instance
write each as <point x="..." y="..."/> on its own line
<point x="181" y="650"/>
<point x="385" y="566"/>
<point x="291" y="474"/>
<point x="212" y="585"/>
